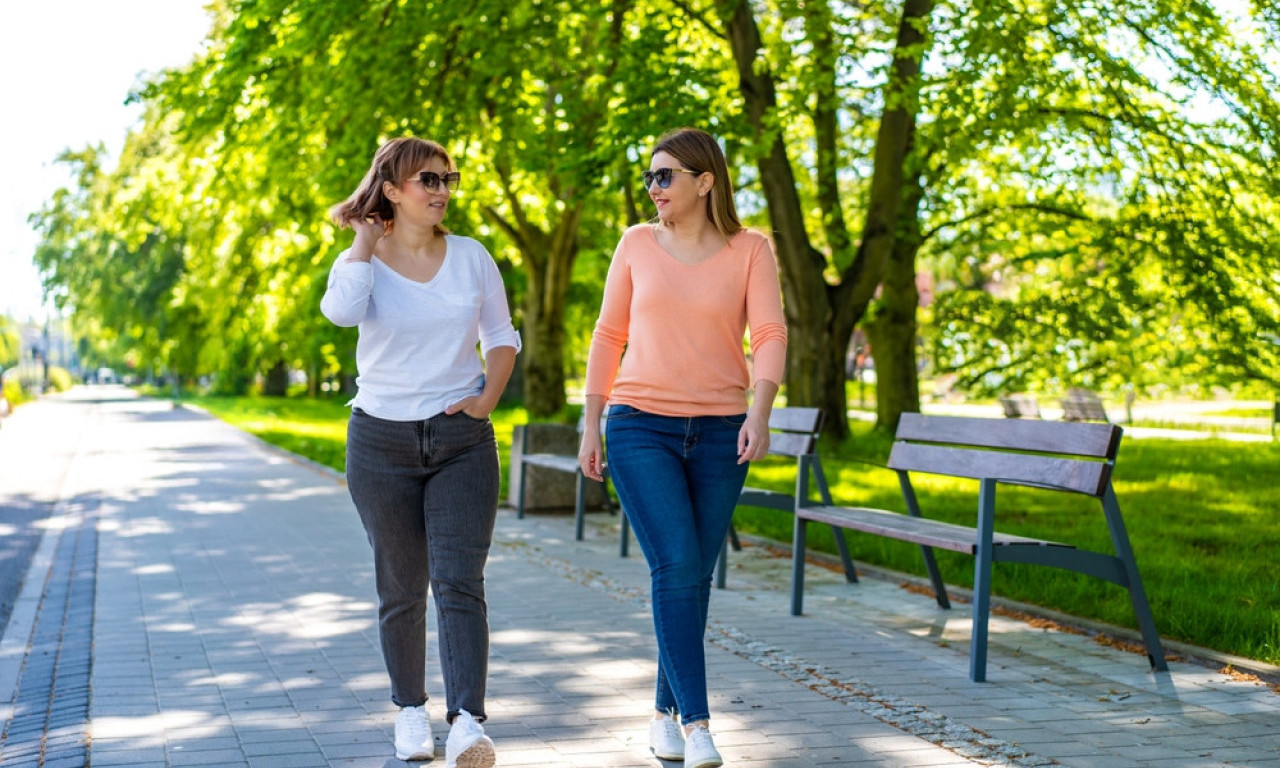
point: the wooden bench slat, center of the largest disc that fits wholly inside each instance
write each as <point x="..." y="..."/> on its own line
<point x="795" y="419"/>
<point x="552" y="461"/>
<point x="1089" y="477"/>
<point x="792" y="443"/>
<point x="1018" y="406"/>
<point x="918" y="530"/>
<point x="1100" y="441"/>
<point x="1083" y="405"/>
<point x="759" y="497"/>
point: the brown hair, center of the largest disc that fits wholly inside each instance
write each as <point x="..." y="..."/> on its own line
<point x="698" y="151"/>
<point x="394" y="161"/>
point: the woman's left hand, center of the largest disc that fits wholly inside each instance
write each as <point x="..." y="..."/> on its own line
<point x="753" y="438"/>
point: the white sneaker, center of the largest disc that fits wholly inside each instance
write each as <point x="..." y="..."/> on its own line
<point x="413" y="734"/>
<point x="700" y="751"/>
<point x="467" y="746"/>
<point x="666" y="739"/>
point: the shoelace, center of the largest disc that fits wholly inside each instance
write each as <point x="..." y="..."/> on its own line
<point x="699" y="738"/>
<point x="670" y="729"/>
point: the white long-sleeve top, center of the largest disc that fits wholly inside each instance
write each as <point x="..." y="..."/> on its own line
<point x="416" y="353"/>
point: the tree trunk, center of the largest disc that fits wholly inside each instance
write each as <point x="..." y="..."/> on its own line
<point x="893" y="330"/>
<point x="892" y="333"/>
<point x="811" y="379"/>
<point x="543" y="363"/>
<point x="821" y="317"/>
<point x="276" y="382"/>
<point x="548" y="259"/>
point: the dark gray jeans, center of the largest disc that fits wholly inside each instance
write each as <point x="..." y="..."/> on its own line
<point x="427" y="493"/>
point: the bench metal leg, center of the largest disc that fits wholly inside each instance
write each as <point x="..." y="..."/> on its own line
<point x="722" y="564"/>
<point x="850" y="575"/>
<point x="842" y="546"/>
<point x="982" y="581"/>
<point x="930" y="562"/>
<point x="608" y="502"/>
<point x="798" y="545"/>
<point x="579" y="504"/>
<point x="524" y="485"/>
<point x="624" y="542"/>
<point x="1137" y="595"/>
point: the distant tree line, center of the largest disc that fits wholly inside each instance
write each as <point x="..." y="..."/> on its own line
<point x="1092" y="187"/>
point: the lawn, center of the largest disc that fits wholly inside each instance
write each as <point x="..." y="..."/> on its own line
<point x="1203" y="517"/>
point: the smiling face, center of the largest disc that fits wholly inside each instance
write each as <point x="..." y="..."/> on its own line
<point x="417" y="204"/>
<point x="684" y="196"/>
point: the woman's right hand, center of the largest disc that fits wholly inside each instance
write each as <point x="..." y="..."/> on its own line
<point x="591" y="454"/>
<point x="368" y="232"/>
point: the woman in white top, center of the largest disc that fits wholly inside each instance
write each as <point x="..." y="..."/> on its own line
<point x="422" y="463"/>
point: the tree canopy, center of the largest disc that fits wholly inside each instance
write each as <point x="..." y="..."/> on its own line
<point x="1085" y="191"/>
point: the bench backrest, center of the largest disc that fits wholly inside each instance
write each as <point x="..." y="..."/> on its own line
<point x="1062" y="455"/>
<point x="1083" y="405"/>
<point x="794" y="431"/>
<point x="1017" y="406"/>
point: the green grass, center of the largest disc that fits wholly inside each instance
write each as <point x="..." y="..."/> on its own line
<point x="1245" y="413"/>
<point x="317" y="428"/>
<point x="1203" y="517"/>
<point x="1259" y="428"/>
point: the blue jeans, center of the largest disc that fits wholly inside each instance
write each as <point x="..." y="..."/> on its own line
<point x="678" y="479"/>
<point x="427" y="493"/>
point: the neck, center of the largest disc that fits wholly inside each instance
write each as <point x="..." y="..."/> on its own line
<point x="695" y="229"/>
<point x="414" y="239"/>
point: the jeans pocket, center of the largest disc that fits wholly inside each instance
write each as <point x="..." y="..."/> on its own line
<point x="619" y="412"/>
<point x="471" y="418"/>
<point x="736" y="420"/>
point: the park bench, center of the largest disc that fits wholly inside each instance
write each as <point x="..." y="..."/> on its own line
<point x="558" y="462"/>
<point x="793" y="433"/>
<point x="1083" y="405"/>
<point x="1059" y="456"/>
<point x="1020" y="406"/>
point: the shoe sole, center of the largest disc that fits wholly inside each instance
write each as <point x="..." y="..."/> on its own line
<point x="415" y="756"/>
<point x="711" y="763"/>
<point x="677" y="756"/>
<point x="478" y="755"/>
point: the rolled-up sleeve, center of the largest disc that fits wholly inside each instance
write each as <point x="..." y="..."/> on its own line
<point x="346" y="298"/>
<point x="765" y="318"/>
<point x="612" y="328"/>
<point x="496" y="329"/>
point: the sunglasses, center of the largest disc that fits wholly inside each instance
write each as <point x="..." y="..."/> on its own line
<point x="432" y="180"/>
<point x="662" y="176"/>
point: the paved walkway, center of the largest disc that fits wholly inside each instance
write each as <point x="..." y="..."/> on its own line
<point x="203" y="600"/>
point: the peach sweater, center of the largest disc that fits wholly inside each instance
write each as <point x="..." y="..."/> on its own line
<point x="682" y="327"/>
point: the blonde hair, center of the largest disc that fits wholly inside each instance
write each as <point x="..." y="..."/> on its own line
<point x="394" y="161"/>
<point x="698" y="151"/>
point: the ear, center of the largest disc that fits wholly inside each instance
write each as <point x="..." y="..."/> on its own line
<point x="391" y="192"/>
<point x="705" y="182"/>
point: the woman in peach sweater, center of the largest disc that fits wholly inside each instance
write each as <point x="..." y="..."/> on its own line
<point x="681" y="293"/>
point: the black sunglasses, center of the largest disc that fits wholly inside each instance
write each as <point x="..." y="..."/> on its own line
<point x="431" y="180"/>
<point x="662" y="176"/>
